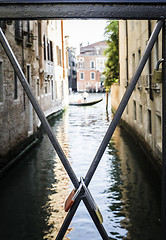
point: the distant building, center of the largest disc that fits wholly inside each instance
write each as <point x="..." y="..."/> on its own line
<point x="39" y="48"/>
<point x="90" y="67"/>
<point x="72" y="72"/>
<point x="143" y="114"/>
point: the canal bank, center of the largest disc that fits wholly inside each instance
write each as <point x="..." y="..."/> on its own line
<point x="154" y="157"/>
<point x="155" y="160"/>
<point x="15" y="154"/>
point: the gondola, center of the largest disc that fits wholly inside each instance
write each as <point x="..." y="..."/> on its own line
<point x="85" y="103"/>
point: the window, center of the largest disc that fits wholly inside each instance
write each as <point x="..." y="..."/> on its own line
<point x="29" y="74"/>
<point x="140" y="114"/>
<point x="135" y="110"/>
<point x="44" y="45"/>
<point x="81" y="63"/>
<point x="149" y="122"/>
<point x="127" y="109"/>
<point x="15" y="86"/>
<point x="158" y="129"/>
<point x="38" y="87"/>
<point x="29" y="37"/>
<point x="81" y="75"/>
<point x="98" y="51"/>
<point x="3" y="25"/>
<point x="1" y="81"/>
<point x="19" y="30"/>
<point x="92" y="76"/>
<point x="133" y="63"/>
<point x="92" y="64"/>
<point x="59" y="56"/>
<point x="49" y="51"/>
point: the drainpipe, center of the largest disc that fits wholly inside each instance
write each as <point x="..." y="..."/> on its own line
<point x="127" y="57"/>
<point x="163" y="208"/>
<point x="63" y="63"/>
<point x="41" y="51"/>
<point x="150" y="63"/>
<point x="23" y="62"/>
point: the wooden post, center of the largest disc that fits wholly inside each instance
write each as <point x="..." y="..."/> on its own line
<point x="107" y="95"/>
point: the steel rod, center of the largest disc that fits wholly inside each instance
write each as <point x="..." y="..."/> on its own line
<point x="37" y="108"/>
<point x="123" y="102"/>
<point x="71" y="213"/>
<point x="99" y="226"/>
<point x="85" y="195"/>
<point x="163" y="204"/>
<point x="49" y="132"/>
<point x="68" y="219"/>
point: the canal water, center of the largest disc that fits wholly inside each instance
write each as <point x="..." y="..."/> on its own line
<point x="124" y="186"/>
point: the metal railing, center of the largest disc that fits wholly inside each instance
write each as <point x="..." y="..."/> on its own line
<point x="84" y="193"/>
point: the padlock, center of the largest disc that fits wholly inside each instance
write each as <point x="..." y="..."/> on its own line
<point x="69" y="201"/>
<point x="99" y="215"/>
<point x="94" y="205"/>
<point x="72" y="197"/>
<point x="157" y="77"/>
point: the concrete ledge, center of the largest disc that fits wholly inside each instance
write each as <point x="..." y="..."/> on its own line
<point x="18" y="157"/>
<point x="16" y="154"/>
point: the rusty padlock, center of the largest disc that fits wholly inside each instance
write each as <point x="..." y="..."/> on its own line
<point x="71" y="198"/>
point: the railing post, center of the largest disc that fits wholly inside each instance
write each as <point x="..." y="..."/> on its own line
<point x="163" y="208"/>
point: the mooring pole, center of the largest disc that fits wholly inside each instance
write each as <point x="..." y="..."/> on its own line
<point x="107" y="95"/>
<point x="163" y="207"/>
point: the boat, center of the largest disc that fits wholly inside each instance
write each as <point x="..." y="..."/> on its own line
<point x="85" y="103"/>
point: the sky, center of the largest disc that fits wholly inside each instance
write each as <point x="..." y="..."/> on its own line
<point x="84" y="31"/>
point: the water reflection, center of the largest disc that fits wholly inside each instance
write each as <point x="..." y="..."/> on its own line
<point x="124" y="186"/>
<point x="134" y="194"/>
<point x="55" y="203"/>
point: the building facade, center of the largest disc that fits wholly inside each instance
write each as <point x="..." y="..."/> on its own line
<point x="90" y="67"/>
<point x="143" y="114"/>
<point x="40" y="50"/>
<point x="51" y="65"/>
